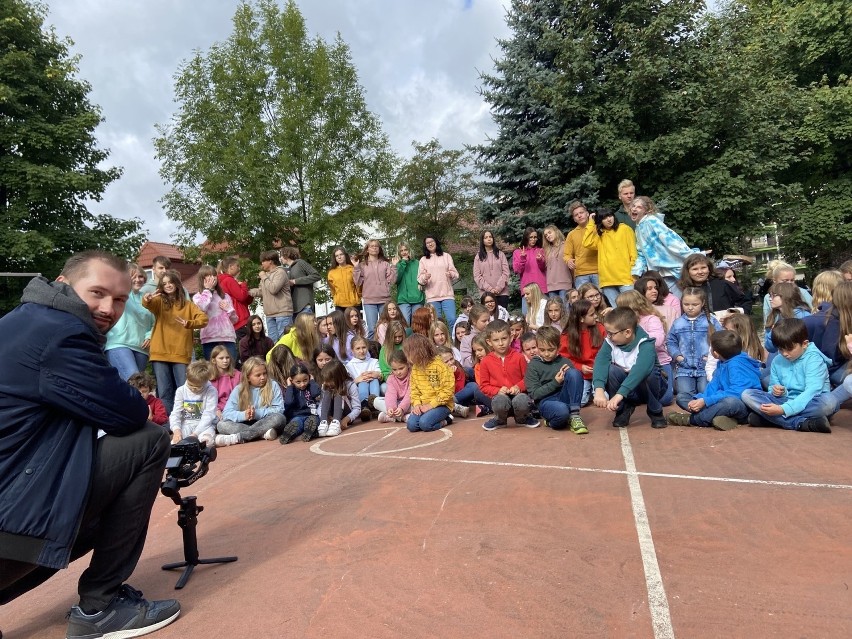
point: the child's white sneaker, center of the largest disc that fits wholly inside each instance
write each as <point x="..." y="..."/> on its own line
<point x="227" y="440"/>
<point x="383" y="418"/>
<point x="333" y="428"/>
<point x="270" y="435"/>
<point x="460" y="411"/>
<point x="322" y="429"/>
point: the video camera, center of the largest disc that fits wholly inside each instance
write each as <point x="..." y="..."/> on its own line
<point x="187" y="463"/>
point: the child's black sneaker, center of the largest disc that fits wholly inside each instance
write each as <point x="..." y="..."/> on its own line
<point x="311" y="427"/>
<point x="658" y="420"/>
<point x="815" y="425"/>
<point x="758" y="421"/>
<point x="493" y="424"/>
<point x="289" y="432"/>
<point x="127" y="615"/>
<point x="623" y="414"/>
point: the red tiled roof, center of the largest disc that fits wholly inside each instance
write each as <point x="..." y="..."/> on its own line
<point x="150" y="250"/>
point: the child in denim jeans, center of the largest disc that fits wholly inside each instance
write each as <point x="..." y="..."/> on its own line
<point x="798" y="397"/>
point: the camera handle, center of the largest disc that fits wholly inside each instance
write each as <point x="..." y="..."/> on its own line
<point x="188" y="520"/>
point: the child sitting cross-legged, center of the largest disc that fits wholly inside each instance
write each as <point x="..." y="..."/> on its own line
<point x="396" y="404"/>
<point x="466" y="393"/>
<point x="501" y="374"/>
<point x="798" y="397"/>
<point x="626" y="368"/>
<point x="432" y="385"/>
<point x="719" y="405"/>
<point x="194" y="412"/>
<point x="554" y="384"/>
<point x="365" y="372"/>
<point x="255" y="408"/>
<point x="301" y="405"/>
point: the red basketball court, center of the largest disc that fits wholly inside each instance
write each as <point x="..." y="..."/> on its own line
<point x="680" y="532"/>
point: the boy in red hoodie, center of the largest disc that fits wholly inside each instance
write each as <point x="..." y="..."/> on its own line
<point x="502" y="375"/>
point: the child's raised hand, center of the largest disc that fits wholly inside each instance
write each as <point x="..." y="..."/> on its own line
<point x="355" y="260"/>
<point x="223" y="305"/>
<point x="181" y="321"/>
<point x="250" y="413"/>
<point x="210" y="282"/>
<point x="560" y="374"/>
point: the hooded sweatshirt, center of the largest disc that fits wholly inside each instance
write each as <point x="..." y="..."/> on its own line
<point x="731" y="378"/>
<point x="804" y="378"/>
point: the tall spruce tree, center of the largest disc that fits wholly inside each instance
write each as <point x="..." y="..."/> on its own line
<point x="654" y="91"/>
<point x="50" y="163"/>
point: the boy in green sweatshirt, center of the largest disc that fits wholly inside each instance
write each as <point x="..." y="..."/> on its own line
<point x="626" y="368"/>
<point x="554" y="384"/>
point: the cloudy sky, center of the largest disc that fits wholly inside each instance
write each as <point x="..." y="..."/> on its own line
<point x="418" y="61"/>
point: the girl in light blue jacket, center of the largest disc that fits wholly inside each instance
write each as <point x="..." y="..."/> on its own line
<point x="255" y="408"/>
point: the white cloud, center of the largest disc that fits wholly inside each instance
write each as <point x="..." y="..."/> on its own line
<point x="418" y="61"/>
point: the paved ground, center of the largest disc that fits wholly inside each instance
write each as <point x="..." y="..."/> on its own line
<point x="514" y="533"/>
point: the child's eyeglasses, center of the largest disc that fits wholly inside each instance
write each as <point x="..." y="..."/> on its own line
<point x="610" y="334"/>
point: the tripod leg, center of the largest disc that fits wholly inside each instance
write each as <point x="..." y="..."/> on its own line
<point x="184" y="577"/>
<point x="218" y="560"/>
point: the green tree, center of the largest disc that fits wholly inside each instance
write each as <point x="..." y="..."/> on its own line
<point x="273" y="141"/>
<point x="812" y="42"/>
<point x="651" y="90"/>
<point x="435" y="193"/>
<point x="50" y="164"/>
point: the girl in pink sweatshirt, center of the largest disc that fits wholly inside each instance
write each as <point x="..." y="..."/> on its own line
<point x="436" y="275"/>
<point x="530" y="263"/>
<point x="396" y="404"/>
<point x="375" y="275"/>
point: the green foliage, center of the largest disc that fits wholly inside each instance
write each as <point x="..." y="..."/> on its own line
<point x="273" y="141"/>
<point x="659" y="92"/>
<point x="435" y="193"/>
<point x="49" y="161"/>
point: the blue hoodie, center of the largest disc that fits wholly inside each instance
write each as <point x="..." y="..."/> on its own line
<point x="804" y="378"/>
<point x="731" y="378"/>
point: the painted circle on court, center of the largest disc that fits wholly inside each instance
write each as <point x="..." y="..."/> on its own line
<point x="390" y="431"/>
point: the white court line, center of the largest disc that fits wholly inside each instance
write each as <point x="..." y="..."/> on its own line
<point x="582" y="469"/>
<point x="658" y="605"/>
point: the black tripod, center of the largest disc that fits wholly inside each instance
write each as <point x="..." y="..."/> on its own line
<point x="188" y="520"/>
<point x="187" y="464"/>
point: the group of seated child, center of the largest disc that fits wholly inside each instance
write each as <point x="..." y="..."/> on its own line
<point x="424" y="379"/>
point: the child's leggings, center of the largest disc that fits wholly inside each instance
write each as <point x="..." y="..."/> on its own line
<point x="250" y="431"/>
<point x="332" y="406"/>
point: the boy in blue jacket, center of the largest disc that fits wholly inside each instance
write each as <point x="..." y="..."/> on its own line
<point x="720" y="405"/>
<point x="798" y="397"/>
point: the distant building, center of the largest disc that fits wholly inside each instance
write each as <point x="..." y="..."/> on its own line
<point x="187" y="271"/>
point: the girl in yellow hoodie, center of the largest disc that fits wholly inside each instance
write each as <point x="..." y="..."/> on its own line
<point x="341" y="283"/>
<point x="432" y="385"/>
<point x="616" y="245"/>
<point x="171" y="338"/>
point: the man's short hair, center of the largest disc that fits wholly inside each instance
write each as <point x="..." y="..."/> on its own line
<point x="77" y="265"/>
<point x="789" y="333"/>
<point x="199" y="372"/>
<point x="290" y="253"/>
<point x="727" y="344"/>
<point x="624" y="184"/>
<point x="270" y="255"/>
<point x="621" y="318"/>
<point x="163" y="260"/>
<point x="576" y="204"/>
<point x="497" y="326"/>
